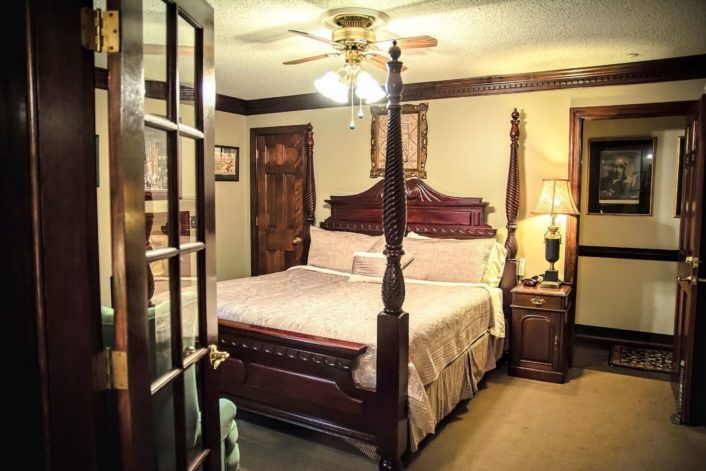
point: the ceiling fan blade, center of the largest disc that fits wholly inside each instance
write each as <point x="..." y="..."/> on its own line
<point x="409" y="43"/>
<point x="379" y="60"/>
<point x="309" y="59"/>
<point x="314" y="37"/>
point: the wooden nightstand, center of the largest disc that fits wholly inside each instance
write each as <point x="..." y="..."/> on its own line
<point x="541" y="327"/>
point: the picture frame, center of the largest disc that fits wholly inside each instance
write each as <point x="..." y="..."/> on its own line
<point x="227" y="163"/>
<point x="621" y="176"/>
<point x="414" y="129"/>
<point x="156" y="167"/>
<point x="679" y="176"/>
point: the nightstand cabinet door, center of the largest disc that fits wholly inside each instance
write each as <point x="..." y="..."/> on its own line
<point x="536" y="339"/>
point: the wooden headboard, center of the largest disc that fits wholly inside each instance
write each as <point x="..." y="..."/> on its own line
<point x="434" y="214"/>
<point x="429" y="213"/>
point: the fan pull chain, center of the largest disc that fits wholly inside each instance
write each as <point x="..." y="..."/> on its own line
<point x="352" y="125"/>
<point x="360" y="108"/>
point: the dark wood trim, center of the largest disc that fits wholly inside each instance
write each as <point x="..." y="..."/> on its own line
<point x="20" y="240"/>
<point x="662" y="70"/>
<point x="629" y="253"/>
<point x="577" y="116"/>
<point x="231" y="104"/>
<point x="158" y="90"/>
<point x="593" y="333"/>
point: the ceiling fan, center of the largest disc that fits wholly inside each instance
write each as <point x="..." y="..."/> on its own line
<point x="354" y="35"/>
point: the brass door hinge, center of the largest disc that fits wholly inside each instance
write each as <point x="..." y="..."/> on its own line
<point x="100" y="30"/>
<point x="109" y="370"/>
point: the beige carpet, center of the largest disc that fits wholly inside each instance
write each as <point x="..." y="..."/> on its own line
<point x="599" y="420"/>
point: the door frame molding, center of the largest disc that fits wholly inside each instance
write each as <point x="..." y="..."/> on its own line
<point x="254" y="190"/>
<point x="577" y="117"/>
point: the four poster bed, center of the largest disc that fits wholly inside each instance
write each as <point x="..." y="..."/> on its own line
<point x="308" y="346"/>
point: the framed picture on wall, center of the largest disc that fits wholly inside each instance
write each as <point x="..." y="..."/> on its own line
<point x="414" y="140"/>
<point x="227" y="163"/>
<point x="621" y="176"/>
<point x="679" y="176"/>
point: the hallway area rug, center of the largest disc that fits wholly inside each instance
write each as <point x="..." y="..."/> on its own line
<point x="649" y="359"/>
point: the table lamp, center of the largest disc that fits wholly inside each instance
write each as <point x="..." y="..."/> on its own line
<point x="554" y="199"/>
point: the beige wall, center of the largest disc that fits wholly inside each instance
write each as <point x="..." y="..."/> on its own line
<point x="469" y="148"/>
<point x="468" y="156"/>
<point x="233" y="203"/>
<point x="631" y="294"/>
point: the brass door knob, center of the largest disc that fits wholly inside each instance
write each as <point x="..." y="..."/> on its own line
<point x="691" y="279"/>
<point x="216" y="357"/>
<point x="297" y="241"/>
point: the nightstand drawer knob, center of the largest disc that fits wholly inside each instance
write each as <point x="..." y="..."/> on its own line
<point x="537" y="301"/>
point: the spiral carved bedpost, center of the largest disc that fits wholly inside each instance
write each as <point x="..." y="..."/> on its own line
<point x="512" y="206"/>
<point x="393" y="322"/>
<point x="309" y="191"/>
<point x="309" y="183"/>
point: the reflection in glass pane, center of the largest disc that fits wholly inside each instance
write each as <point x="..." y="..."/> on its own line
<point x="159" y="317"/>
<point x="154" y="36"/>
<point x="163" y="428"/>
<point x="189" y="302"/>
<point x="156" y="169"/>
<point x="187" y="71"/>
<point x="187" y="202"/>
<point x="192" y="394"/>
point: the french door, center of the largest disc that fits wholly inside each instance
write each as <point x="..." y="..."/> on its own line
<point x="163" y="296"/>
<point x="690" y="320"/>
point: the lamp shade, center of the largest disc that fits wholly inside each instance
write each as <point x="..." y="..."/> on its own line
<point x="556" y="198"/>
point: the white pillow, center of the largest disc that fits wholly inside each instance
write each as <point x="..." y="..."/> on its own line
<point x="496" y="261"/>
<point x="334" y="249"/>
<point x="496" y="265"/>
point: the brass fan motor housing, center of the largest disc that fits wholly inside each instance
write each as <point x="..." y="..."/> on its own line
<point x="354" y="25"/>
<point x="353" y="35"/>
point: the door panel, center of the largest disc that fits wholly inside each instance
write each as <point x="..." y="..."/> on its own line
<point x="278" y="195"/>
<point x="162" y="186"/>
<point x="690" y="323"/>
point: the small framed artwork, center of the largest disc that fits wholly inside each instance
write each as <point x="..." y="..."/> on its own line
<point x="621" y="176"/>
<point x="227" y="164"/>
<point x="414" y="140"/>
<point x="679" y="176"/>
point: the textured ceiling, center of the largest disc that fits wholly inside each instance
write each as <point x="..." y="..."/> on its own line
<point x="476" y="38"/>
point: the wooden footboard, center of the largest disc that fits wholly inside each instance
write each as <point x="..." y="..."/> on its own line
<point x="299" y="378"/>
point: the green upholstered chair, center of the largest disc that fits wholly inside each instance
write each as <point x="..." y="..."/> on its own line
<point x="158" y="334"/>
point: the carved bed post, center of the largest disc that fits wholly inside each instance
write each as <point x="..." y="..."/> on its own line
<point x="393" y="322"/>
<point x="309" y="183"/>
<point x="309" y="191"/>
<point x="512" y="206"/>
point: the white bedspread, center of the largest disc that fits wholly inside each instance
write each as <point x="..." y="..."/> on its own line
<point x="444" y="318"/>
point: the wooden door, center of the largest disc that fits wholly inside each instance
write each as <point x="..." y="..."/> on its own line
<point x="690" y="319"/>
<point x="279" y="226"/>
<point x="165" y="334"/>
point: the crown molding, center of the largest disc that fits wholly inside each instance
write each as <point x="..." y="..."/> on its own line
<point x="158" y="90"/>
<point x="662" y="70"/>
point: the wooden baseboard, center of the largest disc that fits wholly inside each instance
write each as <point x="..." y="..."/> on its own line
<point x="634" y="338"/>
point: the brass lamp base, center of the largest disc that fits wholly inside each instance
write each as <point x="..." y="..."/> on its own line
<point x="551" y="279"/>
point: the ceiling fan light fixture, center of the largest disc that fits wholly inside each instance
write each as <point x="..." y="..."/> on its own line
<point x="368" y="89"/>
<point x="331" y="86"/>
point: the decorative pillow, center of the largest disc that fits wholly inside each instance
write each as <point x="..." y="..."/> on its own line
<point x="446" y="259"/>
<point x="374" y="263"/>
<point x="334" y="249"/>
<point x="496" y="265"/>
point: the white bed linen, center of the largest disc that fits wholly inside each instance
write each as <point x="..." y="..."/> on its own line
<point x="444" y="319"/>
